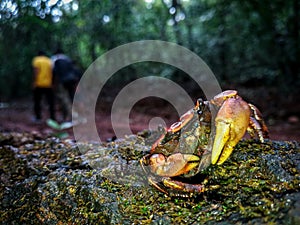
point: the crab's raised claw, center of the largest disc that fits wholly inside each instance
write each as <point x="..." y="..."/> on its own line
<point x="231" y="124"/>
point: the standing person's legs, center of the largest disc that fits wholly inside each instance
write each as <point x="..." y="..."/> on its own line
<point x="37" y="97"/>
<point x="70" y="87"/>
<point x="50" y="100"/>
<point x="64" y="101"/>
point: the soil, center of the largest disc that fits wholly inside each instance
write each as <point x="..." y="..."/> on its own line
<point x="16" y="116"/>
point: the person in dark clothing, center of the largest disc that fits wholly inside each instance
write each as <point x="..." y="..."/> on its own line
<point x="66" y="78"/>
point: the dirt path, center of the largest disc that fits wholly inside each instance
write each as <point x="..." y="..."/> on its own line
<point x="17" y="116"/>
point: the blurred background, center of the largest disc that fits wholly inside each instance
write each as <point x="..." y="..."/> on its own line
<point x="252" y="46"/>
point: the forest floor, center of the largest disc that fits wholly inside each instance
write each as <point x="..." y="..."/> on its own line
<point x="282" y="116"/>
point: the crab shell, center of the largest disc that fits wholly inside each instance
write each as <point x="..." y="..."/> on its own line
<point x="183" y="148"/>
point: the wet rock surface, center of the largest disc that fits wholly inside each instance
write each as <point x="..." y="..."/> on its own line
<point x="53" y="181"/>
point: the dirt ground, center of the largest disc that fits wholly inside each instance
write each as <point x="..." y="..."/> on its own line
<point x="16" y="116"/>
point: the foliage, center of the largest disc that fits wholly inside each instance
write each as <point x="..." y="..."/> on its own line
<point x="247" y="42"/>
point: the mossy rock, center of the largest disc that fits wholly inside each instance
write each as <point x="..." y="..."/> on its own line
<point x="53" y="181"/>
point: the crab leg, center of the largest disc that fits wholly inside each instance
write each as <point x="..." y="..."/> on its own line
<point x="155" y="184"/>
<point x="169" y="184"/>
<point x="231" y="124"/>
<point x="257" y="124"/>
<point x="181" y="186"/>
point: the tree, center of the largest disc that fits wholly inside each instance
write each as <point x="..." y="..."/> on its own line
<point x="240" y="40"/>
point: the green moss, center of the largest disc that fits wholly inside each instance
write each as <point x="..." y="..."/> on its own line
<point x="51" y="182"/>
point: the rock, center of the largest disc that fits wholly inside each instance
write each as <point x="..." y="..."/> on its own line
<point x="51" y="181"/>
<point x="293" y="215"/>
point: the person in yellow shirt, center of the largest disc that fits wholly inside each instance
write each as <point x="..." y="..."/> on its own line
<point x="42" y="84"/>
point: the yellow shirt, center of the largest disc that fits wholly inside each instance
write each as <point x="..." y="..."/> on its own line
<point x="43" y="68"/>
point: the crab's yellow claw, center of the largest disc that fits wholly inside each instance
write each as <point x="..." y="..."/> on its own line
<point x="221" y="138"/>
<point x="231" y="124"/>
<point x="173" y="165"/>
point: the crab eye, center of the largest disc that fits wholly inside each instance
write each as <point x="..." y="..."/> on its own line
<point x="200" y="102"/>
<point x="199" y="112"/>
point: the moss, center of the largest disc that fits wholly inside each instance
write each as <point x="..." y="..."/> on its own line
<point x="50" y="181"/>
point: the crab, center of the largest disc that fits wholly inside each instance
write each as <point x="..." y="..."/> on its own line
<point x="204" y="135"/>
